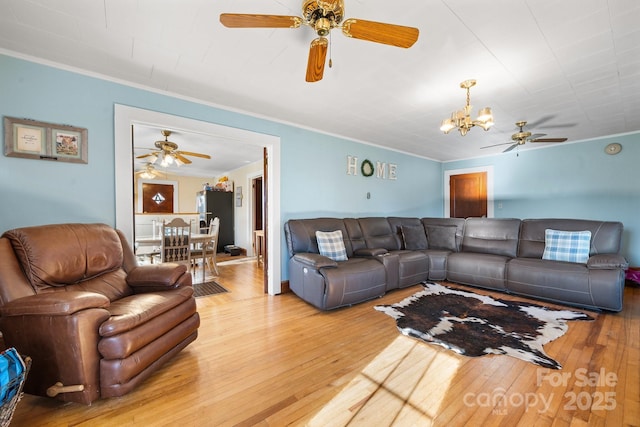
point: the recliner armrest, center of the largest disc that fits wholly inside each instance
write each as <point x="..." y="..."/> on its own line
<point x="370" y="252"/>
<point x="607" y="262"/>
<point x="54" y="304"/>
<point x="155" y="277"/>
<point x="315" y="260"/>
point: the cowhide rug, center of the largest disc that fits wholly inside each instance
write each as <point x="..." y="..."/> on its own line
<point x="475" y="325"/>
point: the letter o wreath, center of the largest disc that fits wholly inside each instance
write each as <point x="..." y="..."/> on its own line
<point x="366" y="168"/>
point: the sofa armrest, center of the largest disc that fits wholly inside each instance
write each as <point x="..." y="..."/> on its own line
<point x="370" y="252"/>
<point x="315" y="260"/>
<point x="607" y="262"/>
<point x="54" y="304"/>
<point x="158" y="277"/>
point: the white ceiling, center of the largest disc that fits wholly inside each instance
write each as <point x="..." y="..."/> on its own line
<point x="572" y="66"/>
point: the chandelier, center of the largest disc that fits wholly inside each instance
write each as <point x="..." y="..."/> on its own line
<point x="461" y="119"/>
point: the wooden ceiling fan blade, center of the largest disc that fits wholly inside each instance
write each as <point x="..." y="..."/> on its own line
<point x="548" y="140"/>
<point x="242" y="20"/>
<point x="379" y="32"/>
<point x="145" y="155"/>
<point x="189" y="153"/>
<point x="317" y="58"/>
<point x="182" y="158"/>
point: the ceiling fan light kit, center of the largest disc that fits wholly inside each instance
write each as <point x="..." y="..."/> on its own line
<point x="461" y="119"/>
<point x="323" y="16"/>
<point x="168" y="154"/>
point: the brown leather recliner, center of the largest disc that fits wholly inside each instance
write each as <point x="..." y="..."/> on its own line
<point x="95" y="324"/>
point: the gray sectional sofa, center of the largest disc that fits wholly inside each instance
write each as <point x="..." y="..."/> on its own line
<point x="385" y="253"/>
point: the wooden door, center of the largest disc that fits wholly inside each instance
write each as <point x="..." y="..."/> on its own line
<point x="468" y="195"/>
<point x="157" y="198"/>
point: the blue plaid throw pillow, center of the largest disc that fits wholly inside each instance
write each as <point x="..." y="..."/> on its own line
<point x="571" y="246"/>
<point x="331" y="245"/>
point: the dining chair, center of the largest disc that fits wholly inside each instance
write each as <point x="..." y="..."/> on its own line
<point x="176" y="242"/>
<point x="207" y="251"/>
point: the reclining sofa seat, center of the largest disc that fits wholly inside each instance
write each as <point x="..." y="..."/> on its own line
<point x="403" y="267"/>
<point x="73" y="298"/>
<point x="444" y="236"/>
<point x="487" y="246"/>
<point x="323" y="282"/>
<point x="598" y="283"/>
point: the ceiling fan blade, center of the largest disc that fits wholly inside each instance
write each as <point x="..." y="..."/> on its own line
<point x="548" y="140"/>
<point x="378" y="32"/>
<point x="535" y="136"/>
<point x="182" y="158"/>
<point x="145" y="155"/>
<point x="189" y="153"/>
<point x="241" y="20"/>
<point x="496" y="145"/>
<point x="317" y="57"/>
<point x="541" y="120"/>
<point x="510" y="148"/>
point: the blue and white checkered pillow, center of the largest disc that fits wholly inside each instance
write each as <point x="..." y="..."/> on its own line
<point x="571" y="246"/>
<point x="331" y="245"/>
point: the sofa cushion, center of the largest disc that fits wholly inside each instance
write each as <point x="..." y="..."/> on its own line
<point x="571" y="246"/>
<point x="442" y="237"/>
<point x="331" y="245"/>
<point x="414" y="237"/>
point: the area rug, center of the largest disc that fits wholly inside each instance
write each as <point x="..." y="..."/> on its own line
<point x="475" y="325"/>
<point x="208" y="288"/>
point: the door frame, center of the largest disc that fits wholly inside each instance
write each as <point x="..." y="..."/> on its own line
<point x="447" y="188"/>
<point x="125" y="117"/>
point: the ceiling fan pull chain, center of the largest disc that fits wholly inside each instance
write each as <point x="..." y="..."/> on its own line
<point x="330" y="44"/>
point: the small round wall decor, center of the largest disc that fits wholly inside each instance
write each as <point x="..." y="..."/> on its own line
<point x="366" y="168"/>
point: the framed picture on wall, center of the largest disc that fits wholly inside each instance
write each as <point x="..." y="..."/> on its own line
<point x="31" y="139"/>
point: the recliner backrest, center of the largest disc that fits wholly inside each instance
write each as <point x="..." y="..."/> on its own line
<point x="59" y="255"/>
<point x="378" y="233"/>
<point x="606" y="236"/>
<point x="301" y="234"/>
<point x="498" y="236"/>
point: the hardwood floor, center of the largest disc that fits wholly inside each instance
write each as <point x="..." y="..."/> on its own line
<point x="275" y="360"/>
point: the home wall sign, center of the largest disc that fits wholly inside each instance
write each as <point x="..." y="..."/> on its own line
<point x="30" y="139"/>
<point x="368" y="168"/>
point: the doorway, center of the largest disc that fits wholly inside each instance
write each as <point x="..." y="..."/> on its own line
<point x="468" y="195"/>
<point x="468" y="192"/>
<point x="125" y="117"/>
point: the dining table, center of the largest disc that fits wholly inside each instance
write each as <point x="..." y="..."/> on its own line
<point x="203" y="240"/>
<point x="196" y="238"/>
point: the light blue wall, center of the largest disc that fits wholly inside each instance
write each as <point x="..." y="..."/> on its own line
<point x="570" y="181"/>
<point x="313" y="176"/>
<point x="323" y="162"/>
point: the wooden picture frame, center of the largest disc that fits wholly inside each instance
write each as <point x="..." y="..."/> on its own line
<point x="31" y="139"/>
